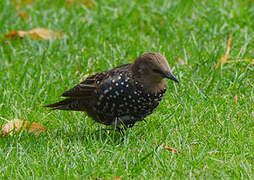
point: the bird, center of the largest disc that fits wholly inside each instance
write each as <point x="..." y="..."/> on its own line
<point x="123" y="95"/>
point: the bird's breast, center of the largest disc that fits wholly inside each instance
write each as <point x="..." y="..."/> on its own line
<point x="121" y="95"/>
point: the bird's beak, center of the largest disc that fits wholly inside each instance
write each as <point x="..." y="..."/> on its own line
<point x="169" y="75"/>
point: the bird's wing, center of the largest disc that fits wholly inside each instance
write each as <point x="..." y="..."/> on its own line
<point x="85" y="94"/>
<point x="87" y="87"/>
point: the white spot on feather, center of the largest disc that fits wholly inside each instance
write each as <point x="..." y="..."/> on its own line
<point x="106" y="91"/>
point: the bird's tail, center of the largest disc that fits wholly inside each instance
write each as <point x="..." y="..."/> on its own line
<point x="67" y="104"/>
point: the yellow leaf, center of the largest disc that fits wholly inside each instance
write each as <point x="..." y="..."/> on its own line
<point x="44" y="34"/>
<point x="16" y="125"/>
<point x="37" y="33"/>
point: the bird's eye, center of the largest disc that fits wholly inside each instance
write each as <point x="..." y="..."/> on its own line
<point x="158" y="71"/>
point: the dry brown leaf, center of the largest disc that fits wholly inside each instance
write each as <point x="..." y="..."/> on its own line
<point x="70" y="2"/>
<point x="16" y="125"/>
<point x="14" y="35"/>
<point x="88" y="3"/>
<point x="117" y="178"/>
<point x="22" y="14"/>
<point x="225" y="57"/>
<point x="37" y="33"/>
<point x="181" y="61"/>
<point x="171" y="149"/>
<point x="236" y="98"/>
<point x="21" y="2"/>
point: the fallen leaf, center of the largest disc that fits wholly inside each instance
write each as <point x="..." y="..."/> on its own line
<point x="117" y="178"/>
<point x="16" y="125"/>
<point x="225" y="57"/>
<point x="181" y="61"/>
<point x="236" y="98"/>
<point x="22" y="14"/>
<point x="88" y="3"/>
<point x="37" y="33"/>
<point x="70" y="2"/>
<point x="14" y="35"/>
<point x="21" y="2"/>
<point x="171" y="149"/>
<point x="44" y="34"/>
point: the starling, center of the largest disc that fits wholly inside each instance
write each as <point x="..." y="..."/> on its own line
<point x="123" y="95"/>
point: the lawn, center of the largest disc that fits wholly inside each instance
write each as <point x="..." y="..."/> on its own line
<point x="209" y="117"/>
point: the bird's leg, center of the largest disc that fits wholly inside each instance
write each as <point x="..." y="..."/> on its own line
<point x="121" y="124"/>
<point x="124" y="122"/>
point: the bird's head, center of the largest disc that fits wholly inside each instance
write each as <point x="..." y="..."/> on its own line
<point x="152" y="67"/>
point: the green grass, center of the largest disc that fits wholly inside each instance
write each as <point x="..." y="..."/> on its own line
<point x="200" y="117"/>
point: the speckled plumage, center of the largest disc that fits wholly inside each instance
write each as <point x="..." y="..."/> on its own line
<point x="123" y="95"/>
